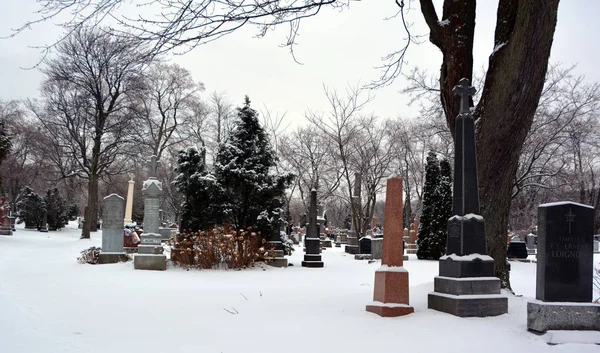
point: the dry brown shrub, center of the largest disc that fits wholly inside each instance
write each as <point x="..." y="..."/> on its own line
<point x="216" y="248"/>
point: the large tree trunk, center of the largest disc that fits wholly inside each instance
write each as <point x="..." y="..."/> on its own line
<point x="513" y="85"/>
<point x="90" y="210"/>
<point x="511" y="93"/>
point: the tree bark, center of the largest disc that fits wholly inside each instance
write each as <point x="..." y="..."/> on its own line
<point x="90" y="210"/>
<point x="513" y="85"/>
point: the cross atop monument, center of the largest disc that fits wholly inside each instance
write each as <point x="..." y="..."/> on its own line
<point x="153" y="164"/>
<point x="465" y="91"/>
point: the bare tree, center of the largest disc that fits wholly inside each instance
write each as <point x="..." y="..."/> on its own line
<point x="341" y="127"/>
<point x="169" y="103"/>
<point x="88" y="92"/>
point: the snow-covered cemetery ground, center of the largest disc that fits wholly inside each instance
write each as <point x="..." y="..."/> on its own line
<point x="51" y="303"/>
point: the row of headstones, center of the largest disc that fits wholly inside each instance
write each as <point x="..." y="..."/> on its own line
<point x="150" y="252"/>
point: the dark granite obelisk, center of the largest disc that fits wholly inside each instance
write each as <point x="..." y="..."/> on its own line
<point x="466" y="286"/>
<point x="353" y="234"/>
<point x="312" y="257"/>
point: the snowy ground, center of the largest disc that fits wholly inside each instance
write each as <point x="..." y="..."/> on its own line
<point x="50" y="303"/>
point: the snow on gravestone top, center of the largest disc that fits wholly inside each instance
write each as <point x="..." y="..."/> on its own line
<point x="565" y="252"/>
<point x="113" y="213"/>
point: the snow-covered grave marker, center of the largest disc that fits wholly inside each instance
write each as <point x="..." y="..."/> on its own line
<point x="113" y="211"/>
<point x="564" y="283"/>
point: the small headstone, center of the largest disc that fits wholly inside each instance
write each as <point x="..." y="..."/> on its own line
<point x="376" y="248"/>
<point x="113" y="211"/>
<point x="365" y="245"/>
<point x="517" y="249"/>
<point x="564" y="270"/>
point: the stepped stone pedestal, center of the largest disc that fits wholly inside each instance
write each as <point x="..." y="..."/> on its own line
<point x="150" y="253"/>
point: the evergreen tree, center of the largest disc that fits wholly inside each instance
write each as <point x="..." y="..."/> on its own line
<point x="429" y="218"/>
<point x="443" y="210"/>
<point x="30" y="208"/>
<point x="244" y="170"/>
<point x="199" y="188"/>
<point x="58" y="211"/>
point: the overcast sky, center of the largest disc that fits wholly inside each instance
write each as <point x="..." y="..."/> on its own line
<point x="335" y="48"/>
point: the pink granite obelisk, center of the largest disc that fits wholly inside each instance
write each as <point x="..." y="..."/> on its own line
<point x="390" y="296"/>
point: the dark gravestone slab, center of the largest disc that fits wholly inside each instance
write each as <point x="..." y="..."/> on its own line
<point x="565" y="252"/>
<point x="365" y="245"/>
<point x="466" y="235"/>
<point x="517" y="250"/>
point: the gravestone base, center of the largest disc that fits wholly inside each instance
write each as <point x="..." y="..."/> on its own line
<point x="352" y="249"/>
<point x="150" y="262"/>
<point x="326" y="243"/>
<point x="473" y="265"/>
<point x="545" y="316"/>
<point x="411" y="248"/>
<point x="352" y="243"/>
<point x="468" y="297"/>
<point x="279" y="260"/>
<point x="112" y="257"/>
<point x="4" y="230"/>
<point x="389" y="309"/>
<point x="363" y="257"/>
<point x="312" y="261"/>
<point x="338" y="245"/>
<point x="150" y="249"/>
<point x="391" y="294"/>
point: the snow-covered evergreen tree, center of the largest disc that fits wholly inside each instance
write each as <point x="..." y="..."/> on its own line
<point x="245" y="171"/>
<point x="58" y="211"/>
<point x="443" y="212"/>
<point x="30" y="208"/>
<point x="428" y="220"/>
<point x="199" y="188"/>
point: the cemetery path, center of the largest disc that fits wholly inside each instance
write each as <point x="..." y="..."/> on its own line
<point x="50" y="303"/>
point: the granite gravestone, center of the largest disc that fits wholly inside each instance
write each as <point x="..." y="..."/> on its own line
<point x="564" y="283"/>
<point x="113" y="211"/>
<point x="466" y="286"/>
<point x="150" y="251"/>
<point x="517" y="249"/>
<point x="312" y="257"/>
<point x="565" y="252"/>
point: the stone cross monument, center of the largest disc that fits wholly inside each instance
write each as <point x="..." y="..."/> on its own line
<point x="466" y="285"/>
<point x="150" y="251"/>
<point x="312" y="257"/>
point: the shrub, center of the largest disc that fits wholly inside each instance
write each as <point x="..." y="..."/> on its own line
<point x="89" y="256"/>
<point x="217" y="249"/>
